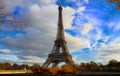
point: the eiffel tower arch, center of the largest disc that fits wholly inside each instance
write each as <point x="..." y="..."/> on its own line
<point x="60" y="52"/>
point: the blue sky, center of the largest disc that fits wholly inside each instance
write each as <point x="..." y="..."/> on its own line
<point x="92" y="30"/>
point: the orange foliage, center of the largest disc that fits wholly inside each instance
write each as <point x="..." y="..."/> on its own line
<point x="69" y="69"/>
<point x="44" y="70"/>
<point x="41" y="70"/>
<point x="55" y="70"/>
<point x="61" y="71"/>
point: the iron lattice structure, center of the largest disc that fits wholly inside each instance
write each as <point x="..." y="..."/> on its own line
<point x="60" y="52"/>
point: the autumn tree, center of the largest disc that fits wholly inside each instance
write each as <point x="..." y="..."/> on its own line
<point x="8" y="66"/>
<point x="24" y="67"/>
<point x="116" y="2"/>
<point x="15" y="67"/>
<point x="101" y="67"/>
<point x="35" y="66"/>
<point x="113" y="65"/>
<point x="113" y="61"/>
<point x="83" y="67"/>
<point x="2" y="66"/>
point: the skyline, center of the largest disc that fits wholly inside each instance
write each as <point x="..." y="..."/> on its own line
<point x="92" y="31"/>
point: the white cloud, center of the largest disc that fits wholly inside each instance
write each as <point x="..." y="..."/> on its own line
<point x="44" y="17"/>
<point x="114" y="45"/>
<point x="46" y="2"/>
<point x="9" y="58"/>
<point x="86" y="1"/>
<point x="81" y="9"/>
<point x="77" y="60"/>
<point x="86" y="29"/>
<point x="111" y="51"/>
<point x="117" y="27"/>
<point x="75" y="43"/>
<point x="113" y="23"/>
<point x="32" y="43"/>
<point x="32" y="60"/>
<point x="68" y="17"/>
<point x="5" y="51"/>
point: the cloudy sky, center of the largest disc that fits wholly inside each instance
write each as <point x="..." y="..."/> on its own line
<point x="92" y="30"/>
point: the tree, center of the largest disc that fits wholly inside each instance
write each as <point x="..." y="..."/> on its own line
<point x="35" y="66"/>
<point x="69" y="69"/>
<point x="83" y="67"/>
<point x="9" y="22"/>
<point x="2" y="7"/>
<point x="2" y="66"/>
<point x="101" y="67"/>
<point x="7" y="66"/>
<point x="15" y="67"/>
<point x="113" y="61"/>
<point x="116" y="2"/>
<point x="24" y="67"/>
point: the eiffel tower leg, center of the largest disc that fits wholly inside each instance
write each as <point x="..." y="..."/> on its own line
<point x="55" y="64"/>
<point x="47" y="63"/>
<point x="70" y="62"/>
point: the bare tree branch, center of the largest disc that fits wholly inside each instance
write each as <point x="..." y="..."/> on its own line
<point x="8" y="21"/>
<point x="2" y="7"/>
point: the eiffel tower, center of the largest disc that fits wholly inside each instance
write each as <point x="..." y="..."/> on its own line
<point x="60" y="51"/>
